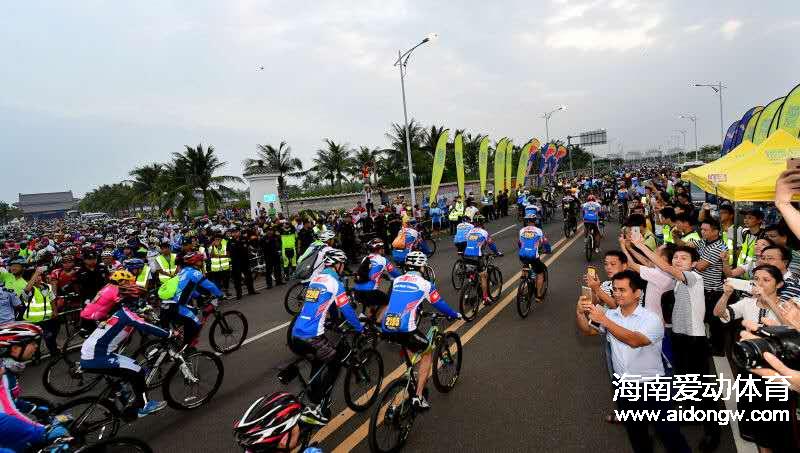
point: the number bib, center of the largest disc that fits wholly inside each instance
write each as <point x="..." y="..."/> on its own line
<point x="312" y="294"/>
<point x="392" y="322"/>
<point x="528" y="235"/>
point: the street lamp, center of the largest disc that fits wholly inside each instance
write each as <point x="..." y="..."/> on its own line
<point x="693" y="119"/>
<point x="547" y="116"/>
<point x="717" y="87"/>
<point x="402" y="62"/>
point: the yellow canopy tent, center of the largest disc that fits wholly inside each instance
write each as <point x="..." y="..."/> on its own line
<point x="753" y="177"/>
<point x="699" y="175"/>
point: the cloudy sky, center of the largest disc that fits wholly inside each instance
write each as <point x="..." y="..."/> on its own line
<point x="94" y="88"/>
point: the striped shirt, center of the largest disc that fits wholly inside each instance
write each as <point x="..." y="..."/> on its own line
<point x="790" y="288"/>
<point x="794" y="265"/>
<point x="709" y="252"/>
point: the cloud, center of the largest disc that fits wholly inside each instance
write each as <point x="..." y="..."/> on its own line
<point x="730" y="28"/>
<point x="694" y="28"/>
<point x="571" y="12"/>
<point x="604" y="38"/>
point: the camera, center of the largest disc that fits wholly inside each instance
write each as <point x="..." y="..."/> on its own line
<point x="781" y="341"/>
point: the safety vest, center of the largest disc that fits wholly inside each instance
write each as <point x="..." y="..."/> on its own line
<point x="666" y="231"/>
<point x="166" y="265"/>
<point x="729" y="244"/>
<point x="692" y="237"/>
<point x="219" y="264"/>
<point x="748" y="252"/>
<point x="13" y="283"/>
<point x="39" y="307"/>
<point x="24" y="253"/>
<point x="457" y="211"/>
<point x="143" y="276"/>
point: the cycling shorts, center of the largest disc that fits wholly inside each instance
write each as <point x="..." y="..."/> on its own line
<point x="476" y="261"/>
<point x="315" y="349"/>
<point x="591" y="227"/>
<point x="537" y="264"/>
<point x="460" y="246"/>
<point x="372" y="298"/>
<point x="414" y="341"/>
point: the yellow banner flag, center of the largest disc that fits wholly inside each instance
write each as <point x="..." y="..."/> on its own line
<point x="522" y="165"/>
<point x="438" y="164"/>
<point x="499" y="165"/>
<point x="483" y="162"/>
<point x="765" y="120"/>
<point x="509" y="159"/>
<point x="458" y="147"/>
<point x="789" y="119"/>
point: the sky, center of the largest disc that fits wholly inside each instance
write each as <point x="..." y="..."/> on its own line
<point x="92" y="89"/>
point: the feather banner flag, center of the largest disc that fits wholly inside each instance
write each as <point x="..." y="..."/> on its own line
<point x="438" y="164"/>
<point x="509" y="163"/>
<point x="522" y="164"/>
<point x="458" y="153"/>
<point x="483" y="162"/>
<point x="499" y="164"/>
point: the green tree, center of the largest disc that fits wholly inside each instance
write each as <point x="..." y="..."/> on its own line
<point x="149" y="184"/>
<point x="333" y="162"/>
<point x="365" y="156"/>
<point x="9" y="212"/>
<point x="394" y="172"/>
<point x="194" y="171"/>
<point x="114" y="199"/>
<point x="278" y="160"/>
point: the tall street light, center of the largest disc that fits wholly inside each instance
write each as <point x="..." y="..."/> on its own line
<point x="547" y="116"/>
<point x="717" y="87"/>
<point x="402" y="63"/>
<point x="693" y="119"/>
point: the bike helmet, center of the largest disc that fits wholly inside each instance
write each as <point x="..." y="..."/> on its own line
<point x="120" y="243"/>
<point x="107" y="254"/>
<point x="193" y="259"/>
<point x="416" y="259"/>
<point x="18" y="334"/>
<point x="478" y="219"/>
<point x="133" y="263"/>
<point x="326" y="235"/>
<point x="267" y="424"/>
<point x="121" y="276"/>
<point x="334" y="256"/>
<point x="590" y="198"/>
<point x="376" y="244"/>
<point x="530" y="217"/>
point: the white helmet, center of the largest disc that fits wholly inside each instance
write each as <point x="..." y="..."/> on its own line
<point x="326" y="235"/>
<point x="334" y="256"/>
<point x="416" y="259"/>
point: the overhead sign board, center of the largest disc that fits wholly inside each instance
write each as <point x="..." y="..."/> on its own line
<point x="270" y="198"/>
<point x="717" y="178"/>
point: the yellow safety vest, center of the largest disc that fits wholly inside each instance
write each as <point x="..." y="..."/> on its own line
<point x="168" y="266"/>
<point x="729" y="244"/>
<point x="219" y="264"/>
<point x="748" y="252"/>
<point x="692" y="237"/>
<point x="39" y="307"/>
<point x="666" y="231"/>
<point x="457" y="211"/>
<point x="143" y="276"/>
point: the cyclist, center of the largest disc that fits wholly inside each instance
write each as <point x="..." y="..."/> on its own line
<point x="530" y="238"/>
<point x="106" y="299"/>
<point x="569" y="208"/>
<point x="19" y="342"/>
<point x="591" y="212"/>
<point x="460" y="239"/>
<point x="533" y="207"/>
<point x="622" y="199"/>
<point x="477" y="238"/>
<point x="320" y="246"/>
<point x="107" y="258"/>
<point x="400" y="322"/>
<point x="368" y="278"/>
<point x="97" y="352"/>
<point x="139" y="270"/>
<point x="411" y="240"/>
<point x="324" y="291"/>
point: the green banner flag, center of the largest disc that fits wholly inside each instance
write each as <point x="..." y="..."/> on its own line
<point x="789" y="119"/>
<point x="483" y="162"/>
<point x="522" y="165"/>
<point x="509" y="163"/>
<point x="750" y="127"/>
<point x="438" y="164"/>
<point x="499" y="165"/>
<point x="765" y="120"/>
<point x="458" y="146"/>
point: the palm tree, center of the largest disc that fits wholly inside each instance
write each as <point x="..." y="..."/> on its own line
<point x="333" y="162"/>
<point x="431" y="138"/>
<point x="277" y="160"/>
<point x="366" y="157"/>
<point x="472" y="144"/>
<point x="149" y="183"/>
<point x="193" y="172"/>
<point x="396" y="157"/>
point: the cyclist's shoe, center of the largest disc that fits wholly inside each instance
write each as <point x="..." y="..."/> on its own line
<point x="420" y="403"/>
<point x="314" y="415"/>
<point x="487" y="301"/>
<point x="499" y="254"/>
<point x="152" y="407"/>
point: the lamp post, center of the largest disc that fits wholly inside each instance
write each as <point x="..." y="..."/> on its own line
<point x="717" y="87"/>
<point x="693" y="119"/>
<point x="401" y="63"/>
<point x="546" y="116"/>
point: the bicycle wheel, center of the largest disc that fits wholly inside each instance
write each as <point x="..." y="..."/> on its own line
<point x="196" y="385"/>
<point x="567" y="232"/>
<point x="93" y="420"/>
<point x="63" y="375"/>
<point x="469" y="300"/>
<point x="546" y="283"/>
<point x="119" y="445"/>
<point x="392" y="419"/>
<point x="228" y="331"/>
<point x="589" y="246"/>
<point x="152" y="356"/>
<point x="428" y="273"/>
<point x="293" y="301"/>
<point x="458" y="274"/>
<point x="523" y="298"/>
<point x="447" y="362"/>
<point x="431" y="243"/>
<point x="362" y="383"/>
<point x="495" y="282"/>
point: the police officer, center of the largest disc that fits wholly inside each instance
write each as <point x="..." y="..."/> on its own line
<point x="240" y="263"/>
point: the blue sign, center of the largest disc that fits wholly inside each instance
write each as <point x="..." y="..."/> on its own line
<point x="270" y="197"/>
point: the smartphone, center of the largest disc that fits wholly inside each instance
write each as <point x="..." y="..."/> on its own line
<point x="586" y="292"/>
<point x="740" y="285"/>
<point x="635" y="230"/>
<point x="793" y="163"/>
<point x="591" y="272"/>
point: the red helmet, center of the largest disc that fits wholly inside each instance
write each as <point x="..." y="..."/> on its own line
<point x="18" y="333"/>
<point x="193" y="258"/>
<point x="267" y="424"/>
<point x="590" y="198"/>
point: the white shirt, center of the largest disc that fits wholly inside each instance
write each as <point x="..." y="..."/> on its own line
<point x="658" y="282"/>
<point x="690" y="306"/>
<point x="644" y="361"/>
<point x="747" y="309"/>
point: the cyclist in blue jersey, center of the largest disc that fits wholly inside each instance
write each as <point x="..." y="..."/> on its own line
<point x="191" y="284"/>
<point x="412" y="240"/>
<point x="591" y="212"/>
<point x="530" y="238"/>
<point x="368" y="279"/>
<point x="477" y="238"/>
<point x="400" y="323"/>
<point x="325" y="292"/>
<point x="460" y="238"/>
<point x="533" y="207"/>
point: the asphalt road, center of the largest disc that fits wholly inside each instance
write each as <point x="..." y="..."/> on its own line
<point x="526" y="384"/>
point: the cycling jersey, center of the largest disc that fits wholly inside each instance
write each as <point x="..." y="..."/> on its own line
<point x="410" y="238"/>
<point x="622" y="195"/>
<point x="323" y="290"/>
<point x="408" y="292"/>
<point x="531" y="209"/>
<point x="17" y="432"/>
<point x="102" y="304"/>
<point x="530" y="237"/>
<point x="591" y="211"/>
<point x="461" y="232"/>
<point x="476" y="239"/>
<point x="98" y="350"/>
<point x="319" y="264"/>
<point x="378" y="264"/>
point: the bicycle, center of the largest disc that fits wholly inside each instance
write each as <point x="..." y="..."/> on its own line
<point x="458" y="273"/>
<point x="570" y="226"/>
<point x="430" y="242"/>
<point x="229" y="329"/>
<point x="470" y="294"/>
<point x="528" y="289"/>
<point x="394" y="411"/>
<point x="117" y="444"/>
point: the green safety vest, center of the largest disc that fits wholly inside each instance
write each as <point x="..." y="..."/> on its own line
<point x="143" y="276"/>
<point x="457" y="211"/>
<point x="692" y="237"/>
<point x="168" y="266"/>
<point x="24" y="253"/>
<point x="729" y="244"/>
<point x="220" y="264"/>
<point x="748" y="252"/>
<point x="13" y="283"/>
<point x="666" y="232"/>
<point x="39" y="307"/>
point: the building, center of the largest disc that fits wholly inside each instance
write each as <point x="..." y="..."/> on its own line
<point x="46" y="205"/>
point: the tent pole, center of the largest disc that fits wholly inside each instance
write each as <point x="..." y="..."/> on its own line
<point x="735" y="235"/>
